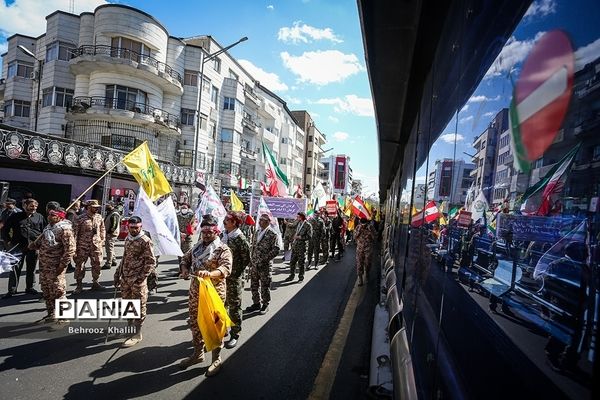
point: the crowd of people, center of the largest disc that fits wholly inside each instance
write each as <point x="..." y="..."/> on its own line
<point x="80" y="233"/>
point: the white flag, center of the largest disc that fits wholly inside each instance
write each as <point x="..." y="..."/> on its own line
<point x="167" y="210"/>
<point x="320" y="195"/>
<point x="153" y="222"/>
<point x="263" y="208"/>
<point x="479" y="206"/>
<point x="211" y="204"/>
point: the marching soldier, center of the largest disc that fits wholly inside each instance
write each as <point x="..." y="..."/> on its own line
<point x="325" y="237"/>
<point x="337" y="227"/>
<point x="112" y="223"/>
<point x="89" y="235"/>
<point x="240" y="251"/>
<point x="314" y="245"/>
<point x="265" y="249"/>
<point x="365" y="236"/>
<point x="56" y="248"/>
<point x="208" y="258"/>
<point x="137" y="263"/>
<point x="288" y="234"/>
<point x="186" y="222"/>
<point x="303" y="234"/>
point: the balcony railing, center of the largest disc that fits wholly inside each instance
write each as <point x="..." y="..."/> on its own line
<point x="81" y="104"/>
<point x="118" y="52"/>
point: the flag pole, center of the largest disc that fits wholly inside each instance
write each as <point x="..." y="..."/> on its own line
<point x="91" y="186"/>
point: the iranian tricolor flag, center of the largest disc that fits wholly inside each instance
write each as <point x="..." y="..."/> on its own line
<point x="360" y="209"/>
<point x="429" y="214"/>
<point x="540" y="198"/>
<point x="276" y="179"/>
<point x="243" y="183"/>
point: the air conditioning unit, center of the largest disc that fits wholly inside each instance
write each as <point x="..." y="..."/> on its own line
<point x="32" y="75"/>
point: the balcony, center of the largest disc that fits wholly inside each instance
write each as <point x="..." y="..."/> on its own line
<point x="87" y="59"/>
<point x="269" y="136"/>
<point x="249" y="124"/>
<point x="250" y="155"/>
<point x="124" y="111"/>
<point x="250" y="95"/>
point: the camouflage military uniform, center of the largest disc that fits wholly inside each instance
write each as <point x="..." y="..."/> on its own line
<point x="325" y="238"/>
<point x="263" y="253"/>
<point x="365" y="236"/>
<point x="288" y="235"/>
<point x="137" y="263"/>
<point x="198" y="259"/>
<point x="184" y="220"/>
<point x="56" y="249"/>
<point x="314" y="245"/>
<point x="89" y="234"/>
<point x="304" y="233"/>
<point x="240" y="251"/>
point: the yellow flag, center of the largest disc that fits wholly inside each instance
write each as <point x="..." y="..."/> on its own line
<point x="236" y="203"/>
<point x="414" y="210"/>
<point x="146" y="172"/>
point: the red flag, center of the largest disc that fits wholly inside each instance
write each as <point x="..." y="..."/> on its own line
<point x="429" y="214"/>
<point x="264" y="189"/>
<point x="359" y="209"/>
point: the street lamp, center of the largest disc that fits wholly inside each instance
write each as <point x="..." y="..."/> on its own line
<point x="203" y="60"/>
<point x="28" y="52"/>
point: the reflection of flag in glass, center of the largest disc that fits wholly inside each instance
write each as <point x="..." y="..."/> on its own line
<point x="575" y="239"/>
<point x="539" y="198"/>
<point x="429" y="214"/>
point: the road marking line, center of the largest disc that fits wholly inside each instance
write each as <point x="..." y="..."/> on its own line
<point x="326" y="376"/>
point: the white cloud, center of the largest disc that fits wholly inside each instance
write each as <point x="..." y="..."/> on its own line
<point x="482" y="98"/>
<point x="293" y="100"/>
<point x="451" y="137"/>
<point x="466" y="119"/>
<point x="370" y="183"/>
<point x="340" y="136"/>
<point x="270" y="7"/>
<point x="488" y="114"/>
<point x="322" y="67"/>
<point x="361" y="106"/>
<point x="540" y="8"/>
<point x="267" y="79"/>
<point x="513" y="52"/>
<point x="3" y="47"/>
<point x="465" y="108"/>
<point x="28" y="17"/>
<point x="587" y="54"/>
<point x="302" y="33"/>
<point x="333" y="119"/>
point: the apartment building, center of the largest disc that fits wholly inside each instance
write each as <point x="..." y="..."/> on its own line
<point x="315" y="140"/>
<point x="449" y="181"/>
<point x="337" y="173"/>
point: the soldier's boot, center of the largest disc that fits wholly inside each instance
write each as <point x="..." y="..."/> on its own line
<point x="195" y="358"/>
<point x="136" y="338"/>
<point x="97" y="286"/>
<point x="215" y="366"/>
<point x="79" y="288"/>
<point x="290" y="278"/>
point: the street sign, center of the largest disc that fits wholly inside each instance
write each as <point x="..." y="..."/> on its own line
<point x="464" y="219"/>
<point x="331" y="207"/>
<point x="542" y="93"/>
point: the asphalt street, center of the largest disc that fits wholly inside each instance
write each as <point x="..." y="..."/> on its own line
<point x="278" y="356"/>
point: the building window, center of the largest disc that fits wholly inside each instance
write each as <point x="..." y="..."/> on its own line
<point x="206" y="85"/>
<point x="226" y="135"/>
<point x="201" y="162"/>
<point x="309" y="171"/>
<point x="309" y="153"/>
<point x="190" y="78"/>
<point x="282" y="161"/>
<point x="126" y="98"/>
<point x="58" y="51"/>
<point x="229" y="103"/>
<point x="63" y="97"/>
<point x="310" y="138"/>
<point x="214" y="95"/>
<point x="187" y="116"/>
<point x="213" y="130"/>
<point x="130" y="49"/>
<point x="47" y="97"/>
<point x="19" y="68"/>
<point x="233" y="75"/>
<point x="217" y="64"/>
<point x="17" y="108"/>
<point x="285" y="140"/>
<point x="539" y="163"/>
